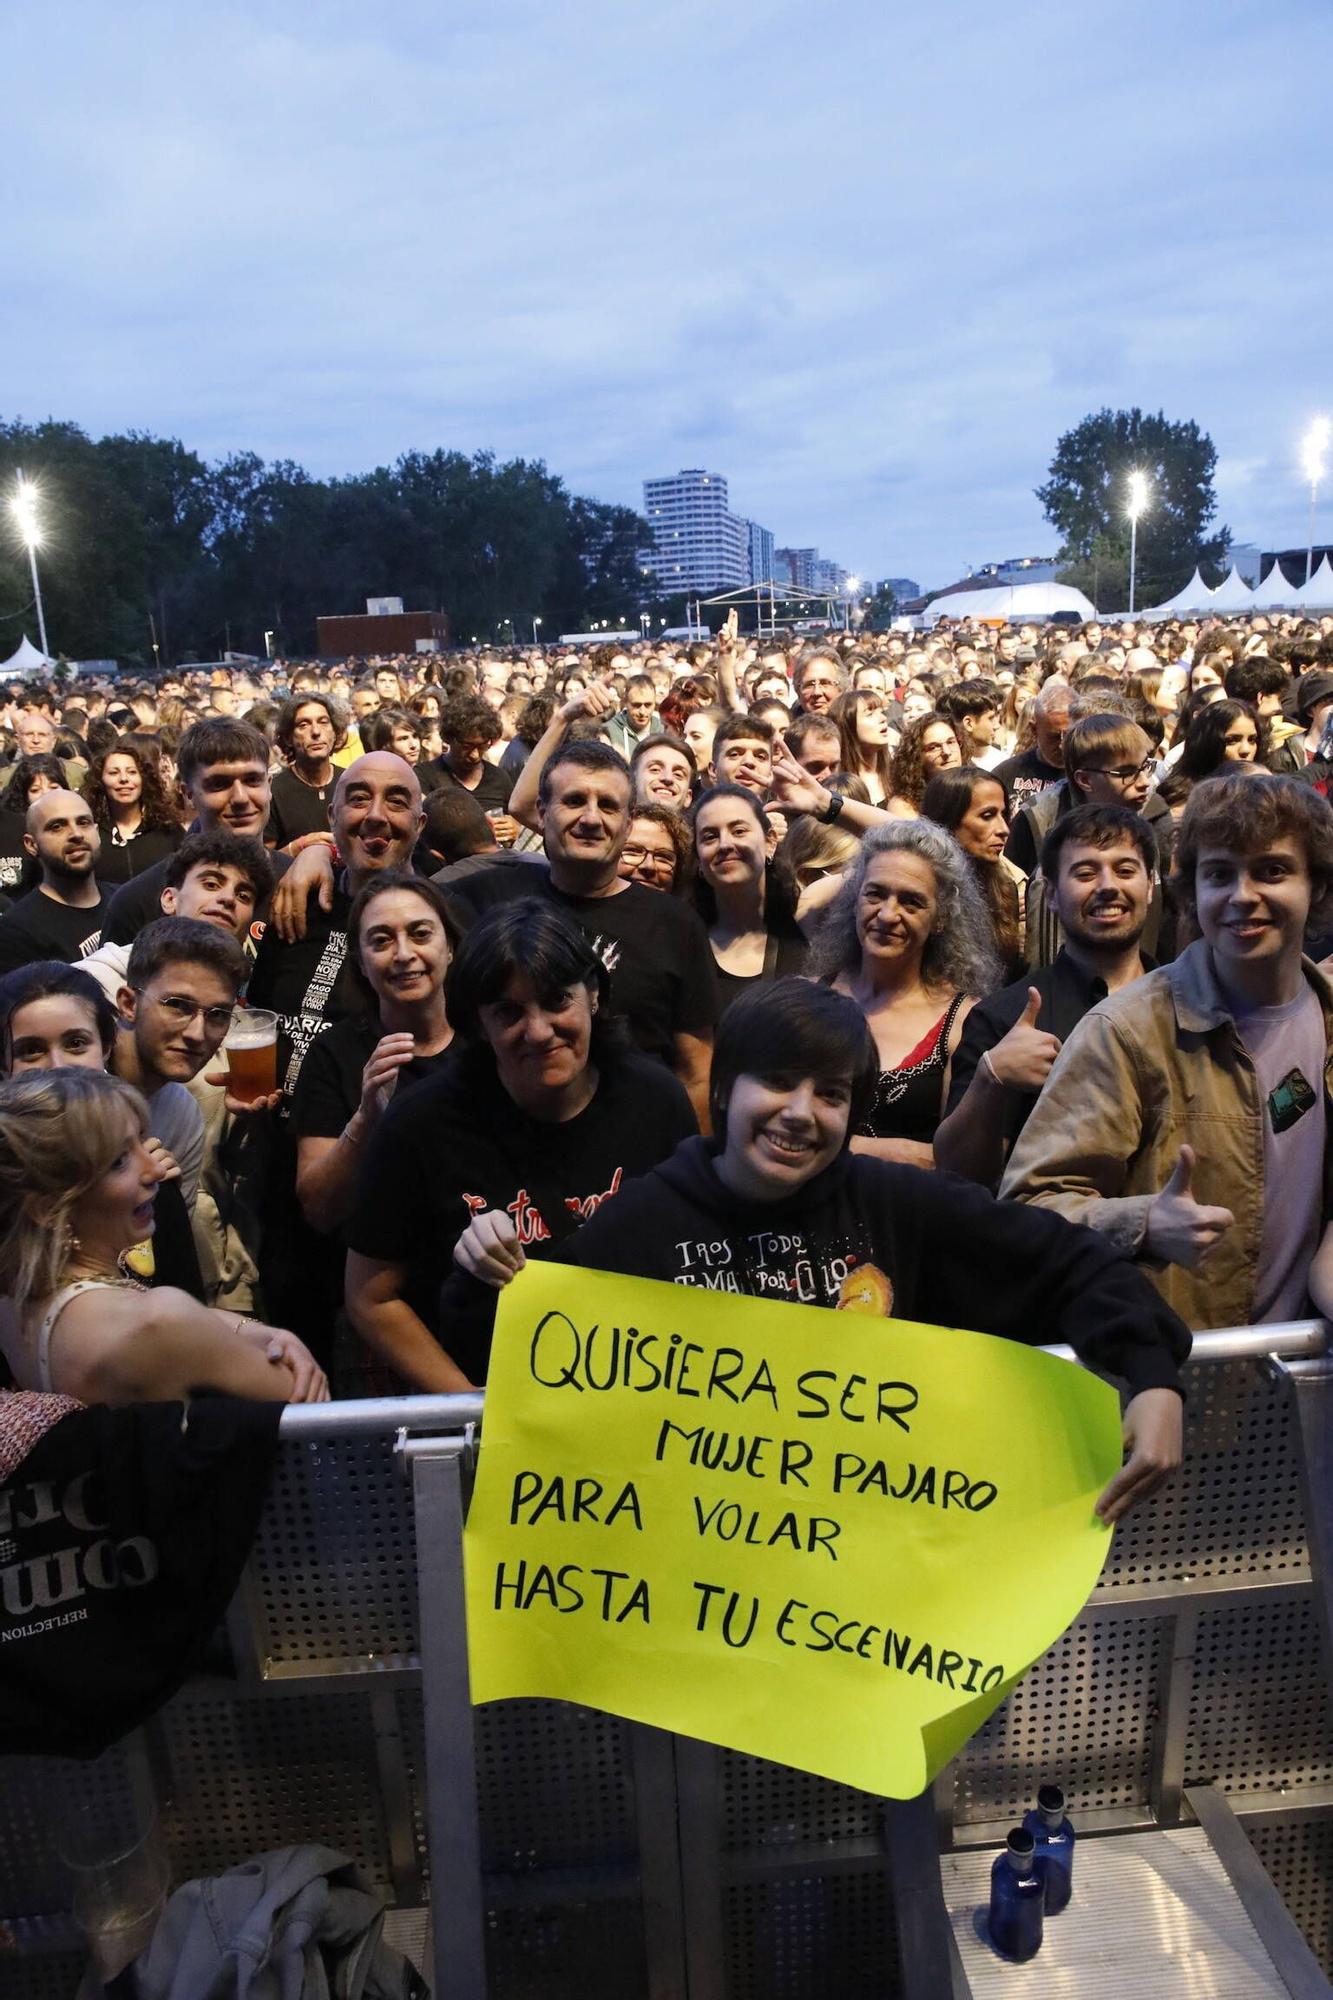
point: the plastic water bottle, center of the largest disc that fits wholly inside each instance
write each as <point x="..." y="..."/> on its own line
<point x="1016" y="1898"/>
<point x="1050" y="1828"/>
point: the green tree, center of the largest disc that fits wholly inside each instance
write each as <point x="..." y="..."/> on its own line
<point x="1087" y="492"/>
<point x="880" y="607"/>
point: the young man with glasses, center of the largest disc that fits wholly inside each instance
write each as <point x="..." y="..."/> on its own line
<point x="1109" y="761"/>
<point x="175" y="1008"/>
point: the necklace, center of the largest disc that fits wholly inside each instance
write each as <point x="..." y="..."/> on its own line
<point x="123" y="1277"/>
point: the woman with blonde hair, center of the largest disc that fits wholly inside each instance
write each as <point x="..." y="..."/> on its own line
<point x="77" y="1189"/>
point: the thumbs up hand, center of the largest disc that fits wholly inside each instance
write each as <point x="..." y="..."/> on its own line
<point x="1022" y="1059"/>
<point x="1180" y="1229"/>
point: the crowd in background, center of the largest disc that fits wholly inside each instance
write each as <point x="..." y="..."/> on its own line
<point x="1066" y="884"/>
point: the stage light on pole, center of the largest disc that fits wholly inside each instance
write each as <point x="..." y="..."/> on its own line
<point x="24" y="509"/>
<point x="1138" y="500"/>
<point x="1313" y="446"/>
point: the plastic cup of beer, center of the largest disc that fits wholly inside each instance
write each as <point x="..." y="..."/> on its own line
<point x="252" y="1054"/>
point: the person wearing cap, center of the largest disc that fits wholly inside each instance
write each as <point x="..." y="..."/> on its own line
<point x="1314" y="702"/>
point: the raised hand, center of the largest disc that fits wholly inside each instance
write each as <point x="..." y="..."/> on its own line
<point x="1022" y="1059"/>
<point x="1180" y="1229"/>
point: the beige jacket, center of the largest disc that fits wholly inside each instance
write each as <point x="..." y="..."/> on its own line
<point x="1155" y="1066"/>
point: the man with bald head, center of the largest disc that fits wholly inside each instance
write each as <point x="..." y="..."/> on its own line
<point x="62" y="917"/>
<point x="375" y="817"/>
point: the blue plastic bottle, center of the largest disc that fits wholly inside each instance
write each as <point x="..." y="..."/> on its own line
<point x="1016" y="1898"/>
<point x="1050" y="1829"/>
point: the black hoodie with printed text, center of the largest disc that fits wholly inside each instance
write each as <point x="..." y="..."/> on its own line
<point x="870" y="1236"/>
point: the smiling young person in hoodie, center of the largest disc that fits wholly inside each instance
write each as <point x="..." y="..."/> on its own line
<point x="776" y="1205"/>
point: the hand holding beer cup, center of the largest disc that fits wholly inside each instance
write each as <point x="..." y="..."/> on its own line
<point x="251" y="1049"/>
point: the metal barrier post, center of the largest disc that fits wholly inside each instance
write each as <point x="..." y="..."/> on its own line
<point x="453" y="1823"/>
<point x="1311" y="1387"/>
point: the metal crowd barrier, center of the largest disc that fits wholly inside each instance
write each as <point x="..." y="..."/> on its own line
<point x="554" y="1851"/>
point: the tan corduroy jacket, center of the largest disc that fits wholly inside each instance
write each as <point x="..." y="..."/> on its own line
<point x="1151" y="1068"/>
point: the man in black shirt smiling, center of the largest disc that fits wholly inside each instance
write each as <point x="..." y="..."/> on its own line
<point x="1098" y="864"/>
<point x="655" y="949"/>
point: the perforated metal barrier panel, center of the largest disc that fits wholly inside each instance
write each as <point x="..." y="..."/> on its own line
<point x="1197" y="1661"/>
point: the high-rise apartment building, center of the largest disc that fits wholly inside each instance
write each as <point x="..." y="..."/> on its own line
<point x="698" y="544"/>
<point x="761" y="553"/>
<point x="800" y="565"/>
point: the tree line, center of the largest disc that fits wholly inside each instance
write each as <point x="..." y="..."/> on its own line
<point x="148" y="552"/>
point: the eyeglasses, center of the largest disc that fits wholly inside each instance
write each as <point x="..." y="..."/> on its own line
<point x="663" y="864"/>
<point x="1124" y="774"/>
<point x="185" y="1012"/>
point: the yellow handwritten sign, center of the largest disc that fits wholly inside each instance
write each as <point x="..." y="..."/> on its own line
<point x="830" y="1540"/>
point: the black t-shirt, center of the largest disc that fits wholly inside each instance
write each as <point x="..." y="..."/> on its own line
<point x="139" y="902"/>
<point x="40" y="927"/>
<point x="330" y="1087"/>
<point x="787" y="955"/>
<point x="18" y="870"/>
<point x="1067" y="994"/>
<point x="1025" y="775"/>
<point x="121" y="860"/>
<point x="308" y="983"/>
<point x="459" y="1144"/>
<point x="297" y="808"/>
<point x="491" y="790"/>
<point x="654" y="947"/>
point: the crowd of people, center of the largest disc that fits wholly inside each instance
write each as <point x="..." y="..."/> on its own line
<point x="889" y="947"/>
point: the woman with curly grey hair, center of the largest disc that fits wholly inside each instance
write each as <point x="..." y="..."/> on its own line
<point x="908" y="939"/>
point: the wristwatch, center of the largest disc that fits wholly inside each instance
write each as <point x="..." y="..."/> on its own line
<point x="829" y="816"/>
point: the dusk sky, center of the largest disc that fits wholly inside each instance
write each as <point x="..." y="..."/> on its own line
<point x="866" y="262"/>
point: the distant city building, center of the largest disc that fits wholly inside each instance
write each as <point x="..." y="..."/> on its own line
<point x="800" y="565"/>
<point x="761" y="553"/>
<point x="830" y="578"/>
<point x="902" y="587"/>
<point x="1245" y="558"/>
<point x="1292" y="561"/>
<point x="698" y="544"/>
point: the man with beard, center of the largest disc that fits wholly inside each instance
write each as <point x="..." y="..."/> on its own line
<point x="1097" y="865"/>
<point x="62" y="917"/>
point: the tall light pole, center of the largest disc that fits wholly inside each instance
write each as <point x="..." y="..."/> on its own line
<point x="851" y="586"/>
<point x="1313" y="446"/>
<point x="24" y="506"/>
<point x="1138" y="500"/>
<point x="535" y="623"/>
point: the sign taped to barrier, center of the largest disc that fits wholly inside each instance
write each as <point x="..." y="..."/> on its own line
<point x="833" y="1541"/>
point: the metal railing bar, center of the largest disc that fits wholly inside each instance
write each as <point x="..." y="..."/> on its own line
<point x="1297" y="1339"/>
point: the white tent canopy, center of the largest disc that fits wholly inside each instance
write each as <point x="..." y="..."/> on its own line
<point x="24" y="660"/>
<point x="1013" y="601"/>
<point x="1275" y="593"/>
<point x="1196" y="596"/>
<point x="1318" y="592"/>
<point x="1232" y="594"/>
